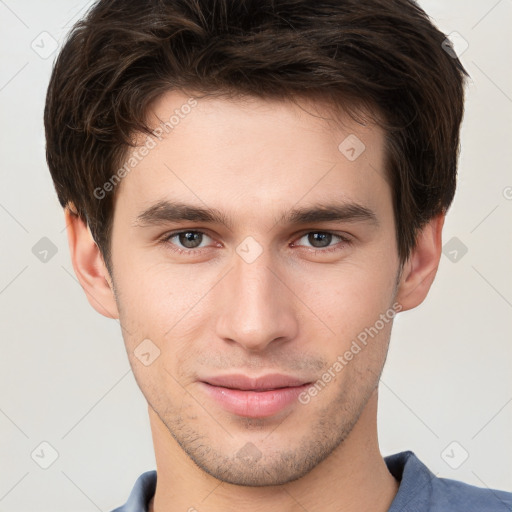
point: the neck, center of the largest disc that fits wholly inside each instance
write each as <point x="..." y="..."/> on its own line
<point x="354" y="477"/>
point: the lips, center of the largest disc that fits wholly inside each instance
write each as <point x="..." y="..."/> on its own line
<point x="263" y="383"/>
<point x="254" y="397"/>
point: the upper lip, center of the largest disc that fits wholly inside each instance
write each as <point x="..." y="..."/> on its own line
<point x="243" y="382"/>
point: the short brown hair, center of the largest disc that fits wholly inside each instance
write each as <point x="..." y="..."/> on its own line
<point x="383" y="54"/>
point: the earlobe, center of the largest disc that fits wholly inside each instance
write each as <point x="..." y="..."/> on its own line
<point x="420" y="268"/>
<point x="89" y="267"/>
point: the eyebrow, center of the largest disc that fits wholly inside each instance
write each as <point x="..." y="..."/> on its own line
<point x="174" y="211"/>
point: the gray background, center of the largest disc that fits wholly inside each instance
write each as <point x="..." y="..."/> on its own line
<point x="446" y="390"/>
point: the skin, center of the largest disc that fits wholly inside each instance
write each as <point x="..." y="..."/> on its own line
<point x="292" y="310"/>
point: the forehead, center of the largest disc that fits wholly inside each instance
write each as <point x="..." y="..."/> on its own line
<point x="253" y="155"/>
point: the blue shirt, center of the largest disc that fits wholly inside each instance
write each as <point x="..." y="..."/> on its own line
<point x="419" y="491"/>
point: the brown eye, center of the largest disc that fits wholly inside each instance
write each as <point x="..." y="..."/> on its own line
<point x="319" y="239"/>
<point x="187" y="241"/>
<point x="190" y="239"/>
<point x="323" y="241"/>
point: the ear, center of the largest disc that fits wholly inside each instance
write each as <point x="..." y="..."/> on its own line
<point x="421" y="266"/>
<point x="90" y="269"/>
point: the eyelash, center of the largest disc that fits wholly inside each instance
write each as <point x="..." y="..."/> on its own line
<point x="166" y="240"/>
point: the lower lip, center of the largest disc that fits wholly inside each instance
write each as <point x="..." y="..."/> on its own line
<point x="254" y="404"/>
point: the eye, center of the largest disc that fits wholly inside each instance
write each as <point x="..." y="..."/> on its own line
<point x="186" y="241"/>
<point x="322" y="239"/>
<point x="193" y="241"/>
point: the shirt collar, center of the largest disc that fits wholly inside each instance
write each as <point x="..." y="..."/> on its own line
<point x="414" y="477"/>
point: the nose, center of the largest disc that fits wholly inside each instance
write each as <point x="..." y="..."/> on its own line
<point x="255" y="307"/>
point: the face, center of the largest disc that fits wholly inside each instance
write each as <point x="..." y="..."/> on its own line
<point x="252" y="241"/>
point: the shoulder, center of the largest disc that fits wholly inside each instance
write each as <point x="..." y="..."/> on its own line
<point x="420" y="489"/>
<point x="450" y="494"/>
<point x="141" y="494"/>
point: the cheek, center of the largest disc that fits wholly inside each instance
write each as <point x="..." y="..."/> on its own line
<point x="169" y="300"/>
<point x="349" y="297"/>
<point x="169" y="305"/>
<point x="158" y="296"/>
<point x="357" y="306"/>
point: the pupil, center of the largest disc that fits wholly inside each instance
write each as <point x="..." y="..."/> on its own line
<point x="320" y="239"/>
<point x="190" y="238"/>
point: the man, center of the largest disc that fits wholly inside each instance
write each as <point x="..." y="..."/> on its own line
<point x="256" y="189"/>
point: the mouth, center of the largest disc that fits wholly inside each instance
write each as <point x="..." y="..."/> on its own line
<point x="263" y="383"/>
<point x="254" y="397"/>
